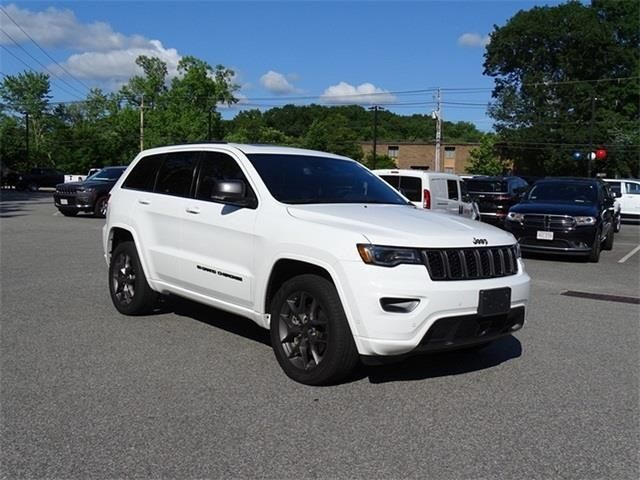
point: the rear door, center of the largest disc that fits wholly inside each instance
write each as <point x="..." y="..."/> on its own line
<point x="454" y="195"/>
<point x="631" y="198"/>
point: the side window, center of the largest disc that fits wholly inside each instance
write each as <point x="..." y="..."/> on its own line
<point x="452" y="187"/>
<point x="216" y="166"/>
<point x="176" y="174"/>
<point x="143" y="175"/>
<point x="632" y="188"/>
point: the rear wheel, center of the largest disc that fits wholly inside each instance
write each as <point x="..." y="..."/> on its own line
<point x="100" y="209"/>
<point x="310" y="335"/>
<point x="130" y="292"/>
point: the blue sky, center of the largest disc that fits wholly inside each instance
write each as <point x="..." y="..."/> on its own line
<point x="365" y="52"/>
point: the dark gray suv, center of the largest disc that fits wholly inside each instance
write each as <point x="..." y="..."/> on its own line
<point x="90" y="195"/>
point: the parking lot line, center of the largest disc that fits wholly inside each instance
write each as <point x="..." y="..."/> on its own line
<point x="629" y="255"/>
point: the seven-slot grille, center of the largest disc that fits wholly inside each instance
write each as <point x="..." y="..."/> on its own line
<point x="471" y="263"/>
<point x="66" y="188"/>
<point x="548" y="222"/>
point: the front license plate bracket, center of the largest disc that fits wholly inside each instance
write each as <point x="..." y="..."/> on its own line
<point x="496" y="301"/>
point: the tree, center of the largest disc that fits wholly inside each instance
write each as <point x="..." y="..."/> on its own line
<point x="556" y="92"/>
<point x="333" y="135"/>
<point x="149" y="87"/>
<point x="28" y="94"/>
<point x="484" y="159"/>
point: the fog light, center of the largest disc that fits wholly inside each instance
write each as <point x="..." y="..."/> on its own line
<point x="399" y="305"/>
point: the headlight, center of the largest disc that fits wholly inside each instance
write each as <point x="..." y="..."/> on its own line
<point x="388" y="256"/>
<point x="86" y="189"/>
<point x="585" y="220"/>
<point x="515" y="217"/>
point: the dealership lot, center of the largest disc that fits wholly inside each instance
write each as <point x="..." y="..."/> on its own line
<point x="193" y="392"/>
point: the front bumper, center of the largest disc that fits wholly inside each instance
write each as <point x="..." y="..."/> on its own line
<point x="441" y="306"/>
<point x="575" y="241"/>
<point x="73" y="201"/>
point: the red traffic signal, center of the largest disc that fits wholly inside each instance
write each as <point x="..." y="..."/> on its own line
<point x="601" y="154"/>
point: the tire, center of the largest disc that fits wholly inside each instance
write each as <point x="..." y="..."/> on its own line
<point x="33" y="187"/>
<point x="594" y="256"/>
<point x="306" y="312"/>
<point x="100" y="208"/>
<point x="69" y="213"/>
<point x="618" y="223"/>
<point x="608" y="242"/>
<point x="130" y="292"/>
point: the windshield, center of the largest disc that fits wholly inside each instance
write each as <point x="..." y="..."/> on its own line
<point x="487" y="186"/>
<point x="302" y="179"/>
<point x="556" y="192"/>
<point x="107" y="174"/>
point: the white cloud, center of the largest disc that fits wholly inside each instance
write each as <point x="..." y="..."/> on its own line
<point x="276" y="83"/>
<point x="105" y="56"/>
<point x="473" y="40"/>
<point x="365" y="93"/>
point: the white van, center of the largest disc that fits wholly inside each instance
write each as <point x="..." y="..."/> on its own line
<point x="440" y="192"/>
<point x="627" y="191"/>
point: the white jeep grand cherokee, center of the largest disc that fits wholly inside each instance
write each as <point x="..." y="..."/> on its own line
<point x="313" y="246"/>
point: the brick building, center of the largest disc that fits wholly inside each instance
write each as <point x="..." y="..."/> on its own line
<point x="453" y="156"/>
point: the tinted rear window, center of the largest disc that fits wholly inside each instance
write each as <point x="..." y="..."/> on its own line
<point x="487" y="186"/>
<point x="143" y="175"/>
<point x="411" y="187"/>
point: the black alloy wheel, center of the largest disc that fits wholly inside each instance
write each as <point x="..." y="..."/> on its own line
<point x="594" y="255"/>
<point x="130" y="292"/>
<point x="310" y="334"/>
<point x="100" y="209"/>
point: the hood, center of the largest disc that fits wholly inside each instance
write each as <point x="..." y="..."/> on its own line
<point x="86" y="184"/>
<point x="403" y="226"/>
<point x="586" y="210"/>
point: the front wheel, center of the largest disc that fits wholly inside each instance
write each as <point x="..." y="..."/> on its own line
<point x="608" y="242"/>
<point x="33" y="187"/>
<point x="618" y="223"/>
<point x="594" y="256"/>
<point x="130" y="292"/>
<point x="310" y="334"/>
<point x="100" y="208"/>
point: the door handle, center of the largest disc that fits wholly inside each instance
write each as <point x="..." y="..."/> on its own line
<point x="144" y="202"/>
<point x="193" y="210"/>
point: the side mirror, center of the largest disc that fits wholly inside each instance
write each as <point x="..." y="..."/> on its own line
<point x="233" y="192"/>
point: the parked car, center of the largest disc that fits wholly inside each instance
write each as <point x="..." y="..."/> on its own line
<point x="627" y="191"/>
<point x="312" y="246"/>
<point x="90" y="195"/>
<point x="38" y="178"/>
<point x="495" y="196"/>
<point x="440" y="192"/>
<point x="570" y="216"/>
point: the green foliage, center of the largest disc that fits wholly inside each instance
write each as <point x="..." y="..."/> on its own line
<point x="484" y="159"/>
<point x="552" y="93"/>
<point x="381" y="161"/>
<point x="333" y="134"/>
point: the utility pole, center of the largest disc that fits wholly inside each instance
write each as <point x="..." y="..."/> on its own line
<point x="437" y="115"/>
<point x="375" y="109"/>
<point x="26" y="137"/>
<point x="142" y="122"/>
<point x="590" y="152"/>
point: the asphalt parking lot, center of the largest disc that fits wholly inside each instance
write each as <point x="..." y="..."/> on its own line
<point x="197" y="393"/>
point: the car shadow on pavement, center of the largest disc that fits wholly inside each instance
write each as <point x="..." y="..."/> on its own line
<point x="422" y="367"/>
<point x="216" y="318"/>
<point x="16" y="204"/>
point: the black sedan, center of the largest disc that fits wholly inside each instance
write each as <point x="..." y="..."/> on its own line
<point x="91" y="195"/>
<point x="573" y="216"/>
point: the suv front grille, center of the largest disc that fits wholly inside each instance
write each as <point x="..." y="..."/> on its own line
<point x="66" y="188"/>
<point x="471" y="263"/>
<point x="548" y="222"/>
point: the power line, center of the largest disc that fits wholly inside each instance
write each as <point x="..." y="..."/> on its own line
<point x="42" y="49"/>
<point x="41" y="64"/>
